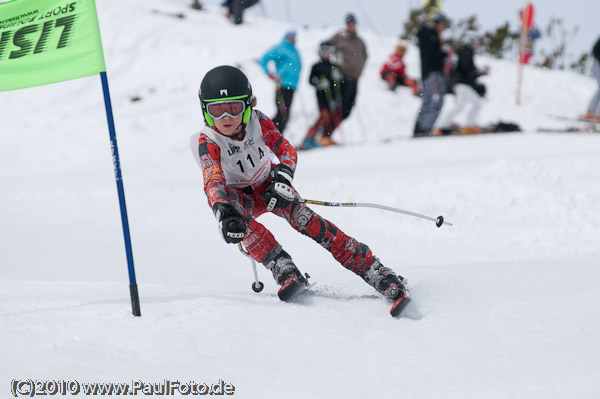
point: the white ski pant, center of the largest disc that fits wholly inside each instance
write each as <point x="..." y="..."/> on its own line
<point x="594" y="107"/>
<point x="465" y="96"/>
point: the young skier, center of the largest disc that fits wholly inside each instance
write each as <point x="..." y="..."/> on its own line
<point x="393" y="71"/>
<point x="234" y="151"/>
<point x="326" y="77"/>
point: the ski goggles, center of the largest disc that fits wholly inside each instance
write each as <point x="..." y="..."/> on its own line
<point x="230" y="108"/>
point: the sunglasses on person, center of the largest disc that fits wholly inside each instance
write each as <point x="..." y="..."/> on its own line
<point x="230" y="108"/>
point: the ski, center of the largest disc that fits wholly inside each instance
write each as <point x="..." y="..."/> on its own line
<point x="399" y="305"/>
<point x="494" y="128"/>
<point x="292" y="289"/>
<point x="572" y="129"/>
<point x="574" y="119"/>
<point x="179" y="15"/>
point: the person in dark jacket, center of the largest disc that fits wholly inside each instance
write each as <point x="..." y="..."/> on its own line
<point x="432" y="67"/>
<point x="326" y="77"/>
<point x="235" y="9"/>
<point x="468" y="91"/>
<point x="593" y="112"/>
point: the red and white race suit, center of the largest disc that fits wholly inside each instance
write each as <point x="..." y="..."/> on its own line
<point x="237" y="171"/>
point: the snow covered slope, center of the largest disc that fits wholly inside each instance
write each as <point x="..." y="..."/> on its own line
<point x="505" y="301"/>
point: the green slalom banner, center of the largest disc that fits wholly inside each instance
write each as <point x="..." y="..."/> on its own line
<point x="48" y="41"/>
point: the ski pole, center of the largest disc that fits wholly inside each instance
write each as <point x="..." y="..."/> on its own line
<point x="360" y="123"/>
<point x="257" y="286"/>
<point x="439" y="221"/>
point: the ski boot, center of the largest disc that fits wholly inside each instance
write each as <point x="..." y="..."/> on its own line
<point x="326" y="141"/>
<point x="387" y="283"/>
<point x="309" y="143"/>
<point x="287" y="275"/>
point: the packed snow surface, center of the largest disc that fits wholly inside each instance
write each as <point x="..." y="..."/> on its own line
<point x="505" y="301"/>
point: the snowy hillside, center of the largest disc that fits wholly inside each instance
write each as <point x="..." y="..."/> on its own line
<point x="505" y="300"/>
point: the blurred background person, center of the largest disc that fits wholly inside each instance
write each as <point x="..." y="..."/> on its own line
<point x="236" y="8"/>
<point x="593" y="112"/>
<point x="326" y="77"/>
<point x="287" y="62"/>
<point x="393" y="70"/>
<point x="351" y="53"/>
<point x="432" y="67"/>
<point x="468" y="91"/>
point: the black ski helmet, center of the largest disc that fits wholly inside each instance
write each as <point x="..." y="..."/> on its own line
<point x="225" y="83"/>
<point x="440" y="18"/>
<point x="326" y="48"/>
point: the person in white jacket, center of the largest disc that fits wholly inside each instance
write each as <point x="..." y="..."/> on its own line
<point x="469" y="93"/>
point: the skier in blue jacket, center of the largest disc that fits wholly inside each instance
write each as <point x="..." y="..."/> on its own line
<point x="287" y="62"/>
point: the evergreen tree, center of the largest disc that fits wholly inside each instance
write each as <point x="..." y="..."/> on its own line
<point x="497" y="43"/>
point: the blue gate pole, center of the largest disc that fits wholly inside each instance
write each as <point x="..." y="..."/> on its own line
<point x="133" y="290"/>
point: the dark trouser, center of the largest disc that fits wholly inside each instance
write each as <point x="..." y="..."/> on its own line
<point x="434" y="90"/>
<point x="237" y="8"/>
<point x="283" y="100"/>
<point x="349" y="89"/>
<point x="394" y="80"/>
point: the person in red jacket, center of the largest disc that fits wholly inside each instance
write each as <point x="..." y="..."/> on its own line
<point x="393" y="71"/>
<point x="235" y="151"/>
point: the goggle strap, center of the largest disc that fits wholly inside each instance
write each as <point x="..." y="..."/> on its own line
<point x="209" y="119"/>
<point x="247" y="114"/>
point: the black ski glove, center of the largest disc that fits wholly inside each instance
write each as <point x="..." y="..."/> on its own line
<point x="231" y="224"/>
<point x="279" y="193"/>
